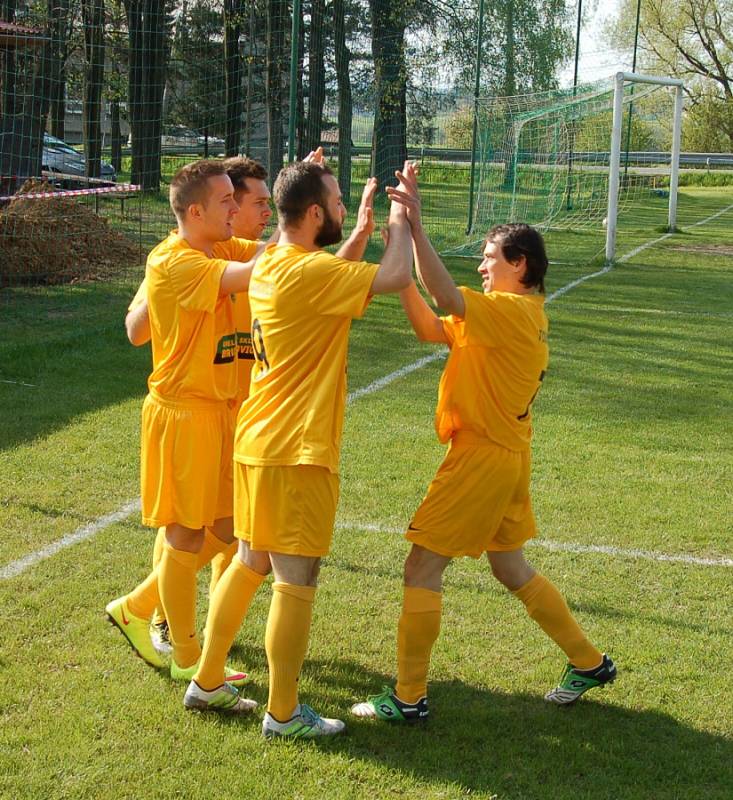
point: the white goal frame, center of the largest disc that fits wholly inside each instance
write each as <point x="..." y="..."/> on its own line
<point x="614" y="176"/>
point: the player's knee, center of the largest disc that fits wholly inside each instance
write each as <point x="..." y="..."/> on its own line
<point x="424" y="568"/>
<point x="510" y="569"/>
<point x="257" y="560"/>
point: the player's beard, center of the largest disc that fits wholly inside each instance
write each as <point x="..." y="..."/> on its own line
<point x="331" y="231"/>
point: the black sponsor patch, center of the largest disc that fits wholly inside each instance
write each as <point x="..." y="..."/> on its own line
<point x="226" y="350"/>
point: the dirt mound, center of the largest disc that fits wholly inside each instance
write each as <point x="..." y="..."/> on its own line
<point x="59" y="240"/>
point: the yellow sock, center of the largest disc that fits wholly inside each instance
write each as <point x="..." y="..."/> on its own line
<point x="417" y="631"/>
<point x="286" y="642"/>
<point x="227" y="609"/>
<point x="219" y="564"/>
<point x="177" y="586"/>
<point x="144" y="598"/>
<point x="158" y="616"/>
<point x="548" y="609"/>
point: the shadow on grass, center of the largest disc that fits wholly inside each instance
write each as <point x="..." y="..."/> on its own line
<point x="517" y="745"/>
<point x="69" y="345"/>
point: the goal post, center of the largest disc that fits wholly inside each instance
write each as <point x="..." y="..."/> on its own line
<point x="589" y="165"/>
<point x="614" y="177"/>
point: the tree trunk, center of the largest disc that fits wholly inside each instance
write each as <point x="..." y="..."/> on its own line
<point x="389" y="143"/>
<point x="316" y="75"/>
<point x="510" y="89"/>
<point x="300" y="151"/>
<point x="149" y="52"/>
<point x="8" y="101"/>
<point x="343" y="58"/>
<point x="24" y="129"/>
<point x="233" y="15"/>
<point x="276" y="16"/>
<point x="510" y="81"/>
<point x="59" y="30"/>
<point x="250" y="79"/>
<point x="93" y="17"/>
<point x="116" y="135"/>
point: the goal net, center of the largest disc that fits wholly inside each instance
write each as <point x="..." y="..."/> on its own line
<point x="546" y="159"/>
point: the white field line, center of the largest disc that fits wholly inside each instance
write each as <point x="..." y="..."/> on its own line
<point x="380" y="383"/>
<point x="570" y="547"/>
<point x="20" y="383"/>
<point x="661" y="312"/>
<point x="88" y="531"/>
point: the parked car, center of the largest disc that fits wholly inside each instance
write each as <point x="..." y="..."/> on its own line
<point x="179" y="137"/>
<point x="64" y="159"/>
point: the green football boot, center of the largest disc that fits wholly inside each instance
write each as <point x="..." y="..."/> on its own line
<point x="389" y="707"/>
<point x="575" y="682"/>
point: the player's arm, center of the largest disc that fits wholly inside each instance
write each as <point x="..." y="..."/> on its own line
<point x="235" y="277"/>
<point x="395" y="270"/>
<point x="137" y="324"/>
<point x="424" y="321"/>
<point x="353" y="248"/>
<point x="431" y="272"/>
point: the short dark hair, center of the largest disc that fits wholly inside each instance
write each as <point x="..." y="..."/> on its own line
<point x="239" y="168"/>
<point x="189" y="184"/>
<point x="299" y="186"/>
<point x="517" y="239"/>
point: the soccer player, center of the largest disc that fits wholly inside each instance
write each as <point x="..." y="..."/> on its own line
<point x="479" y="500"/>
<point x="289" y="431"/>
<point x="187" y="433"/>
<point x="253" y="198"/>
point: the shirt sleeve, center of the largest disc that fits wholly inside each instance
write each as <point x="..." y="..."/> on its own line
<point x="141" y="295"/>
<point x="195" y="280"/>
<point x="336" y="287"/>
<point x="236" y="249"/>
<point x="483" y="318"/>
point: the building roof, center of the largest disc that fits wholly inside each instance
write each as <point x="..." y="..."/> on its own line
<point x="16" y="36"/>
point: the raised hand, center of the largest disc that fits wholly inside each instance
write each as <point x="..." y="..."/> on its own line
<point x="316" y="156"/>
<point x="406" y="193"/>
<point x="365" y="216"/>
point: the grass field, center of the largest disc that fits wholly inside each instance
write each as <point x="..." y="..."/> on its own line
<point x="632" y="452"/>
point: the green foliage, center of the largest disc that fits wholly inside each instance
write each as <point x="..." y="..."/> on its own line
<point x="691" y="41"/>
<point x="197" y="92"/>
<point x="711" y="179"/>
<point x="459" y="129"/>
<point x="707" y="127"/>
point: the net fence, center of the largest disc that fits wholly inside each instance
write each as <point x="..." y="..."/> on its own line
<point x="101" y="101"/>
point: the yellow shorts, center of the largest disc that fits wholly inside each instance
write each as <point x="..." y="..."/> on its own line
<point x="477" y="502"/>
<point x="186" y="462"/>
<point x="285" y="509"/>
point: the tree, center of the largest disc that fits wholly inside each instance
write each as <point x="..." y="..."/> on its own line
<point x="93" y="18"/>
<point x="525" y="41"/>
<point x="345" y="112"/>
<point x="116" y="92"/>
<point x="276" y="59"/>
<point x="60" y="25"/>
<point x="233" y="19"/>
<point x="691" y="40"/>
<point x="8" y="102"/>
<point x="316" y="75"/>
<point x="389" y="143"/>
<point x="148" y="30"/>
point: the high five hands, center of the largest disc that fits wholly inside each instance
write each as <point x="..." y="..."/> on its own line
<point x="406" y="193"/>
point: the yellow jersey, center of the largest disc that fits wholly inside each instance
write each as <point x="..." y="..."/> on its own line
<point x="193" y="329"/>
<point x="498" y="359"/>
<point x="302" y="303"/>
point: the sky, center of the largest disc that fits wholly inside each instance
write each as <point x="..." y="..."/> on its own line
<point x="597" y="60"/>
